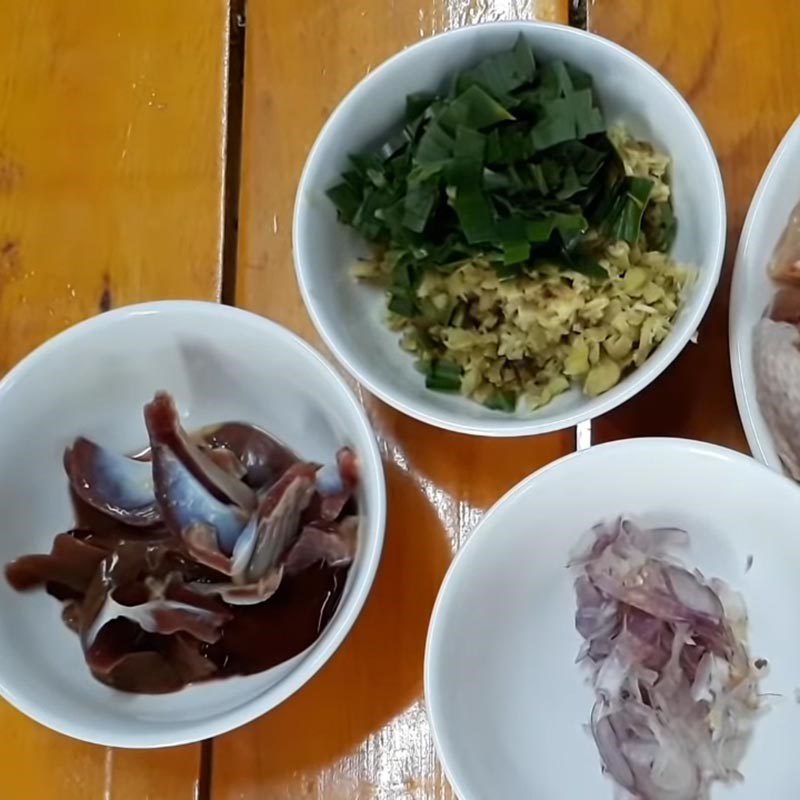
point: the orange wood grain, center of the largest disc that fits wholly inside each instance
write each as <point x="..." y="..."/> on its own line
<point x="111" y="174"/>
<point x="111" y="158"/>
<point x="40" y="765"/>
<point x="358" y="730"/>
<point x="737" y="63"/>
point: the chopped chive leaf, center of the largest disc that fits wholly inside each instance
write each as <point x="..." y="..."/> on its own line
<point x="502" y="401"/>
<point x="443" y="376"/>
<point x="346" y="199"/>
<point x="417" y="104"/>
<point x="516" y="252"/>
<point x="539" y="230"/>
<point x="469" y="144"/>
<point x="402" y="305"/>
<point x="474" y="215"/>
<point x="473" y="108"/>
<point x="435" y="145"/>
<point x="557" y="125"/>
<point x="419" y="202"/>
<point x="502" y="74"/>
<point x="624" y="221"/>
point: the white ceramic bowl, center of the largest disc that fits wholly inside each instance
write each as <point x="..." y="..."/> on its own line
<point x="220" y="363"/>
<point x="349" y="317"/>
<point x="752" y="289"/>
<point x="506" y="701"/>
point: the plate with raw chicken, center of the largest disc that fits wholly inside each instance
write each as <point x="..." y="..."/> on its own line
<point x="765" y="313"/>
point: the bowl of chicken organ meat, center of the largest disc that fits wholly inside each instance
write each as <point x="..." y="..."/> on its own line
<point x="194" y="513"/>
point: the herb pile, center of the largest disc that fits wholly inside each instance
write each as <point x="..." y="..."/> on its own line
<point x="512" y="168"/>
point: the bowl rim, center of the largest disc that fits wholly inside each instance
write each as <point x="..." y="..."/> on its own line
<point x="745" y="390"/>
<point x="479" y="535"/>
<point x="508" y="427"/>
<point x="224" y="721"/>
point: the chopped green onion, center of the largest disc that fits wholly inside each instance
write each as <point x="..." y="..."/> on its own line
<point x="474" y="215"/>
<point x="419" y="202"/>
<point x="402" y="305"/>
<point x="347" y="201"/>
<point x="502" y="401"/>
<point x="417" y="104"/>
<point x="625" y="220"/>
<point x="513" y="154"/>
<point x="473" y="108"/>
<point x="435" y="145"/>
<point x="443" y="376"/>
<point x="469" y="144"/>
<point x="503" y="73"/>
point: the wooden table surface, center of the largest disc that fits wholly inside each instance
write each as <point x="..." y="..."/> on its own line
<point x="132" y="137"/>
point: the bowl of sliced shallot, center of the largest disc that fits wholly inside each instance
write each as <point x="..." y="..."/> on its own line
<point x="193" y="515"/>
<point x="616" y="627"/>
<point x="765" y="312"/>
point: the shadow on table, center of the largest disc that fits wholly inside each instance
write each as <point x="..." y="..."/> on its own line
<point x="476" y="470"/>
<point x="376" y="674"/>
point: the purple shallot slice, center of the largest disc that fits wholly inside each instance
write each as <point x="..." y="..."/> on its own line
<point x="676" y="691"/>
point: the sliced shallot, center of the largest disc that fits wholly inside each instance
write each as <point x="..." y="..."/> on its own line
<point x="676" y="693"/>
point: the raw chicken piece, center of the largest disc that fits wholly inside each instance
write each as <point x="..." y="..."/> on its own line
<point x="176" y="550"/>
<point x="776" y="357"/>
<point x="786" y="305"/>
<point x="119" y="486"/>
<point x="785" y="265"/>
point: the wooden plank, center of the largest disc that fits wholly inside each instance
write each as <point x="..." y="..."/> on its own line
<point x="111" y="158"/>
<point x="358" y="730"/>
<point x="41" y="765"/>
<point x="111" y="171"/>
<point x="746" y="108"/>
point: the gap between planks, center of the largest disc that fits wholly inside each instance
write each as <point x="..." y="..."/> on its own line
<point x="234" y="113"/>
<point x="577" y="13"/>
